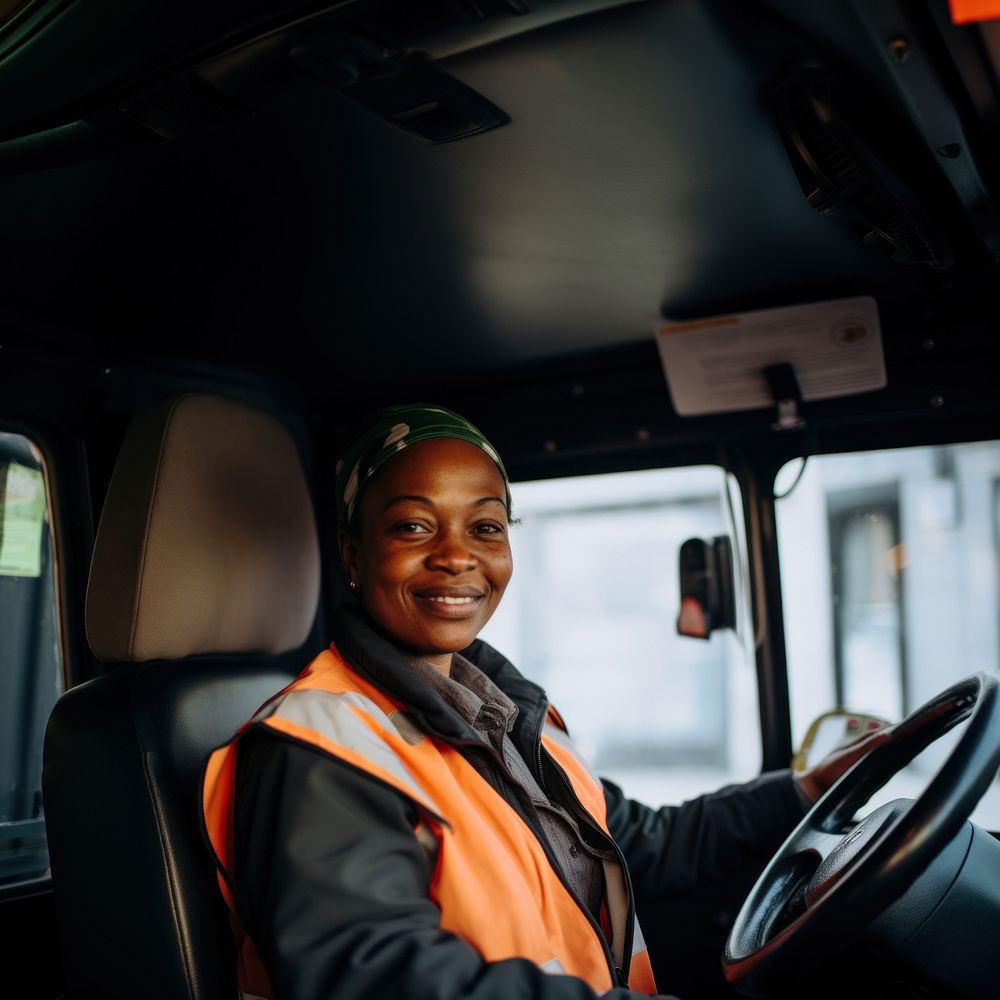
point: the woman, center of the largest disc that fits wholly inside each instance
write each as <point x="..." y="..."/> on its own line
<point x="409" y="817"/>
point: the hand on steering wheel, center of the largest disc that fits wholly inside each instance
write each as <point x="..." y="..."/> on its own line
<point x="814" y="781"/>
<point x="828" y="880"/>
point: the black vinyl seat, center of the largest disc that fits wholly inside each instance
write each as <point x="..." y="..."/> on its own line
<point x="203" y="589"/>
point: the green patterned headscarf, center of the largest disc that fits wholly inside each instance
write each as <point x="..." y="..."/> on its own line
<point x="394" y="429"/>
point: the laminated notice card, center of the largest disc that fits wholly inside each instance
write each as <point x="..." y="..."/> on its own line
<point x="715" y="365"/>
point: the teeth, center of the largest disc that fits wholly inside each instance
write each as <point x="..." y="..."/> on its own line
<point x="453" y="600"/>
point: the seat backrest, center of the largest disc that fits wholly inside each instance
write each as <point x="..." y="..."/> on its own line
<point x="204" y="586"/>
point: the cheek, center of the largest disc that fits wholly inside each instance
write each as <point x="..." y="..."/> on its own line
<point x="503" y="570"/>
<point x="381" y="594"/>
<point x="380" y="570"/>
<point x="373" y="568"/>
<point x="387" y="571"/>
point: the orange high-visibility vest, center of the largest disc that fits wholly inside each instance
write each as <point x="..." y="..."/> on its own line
<point x="486" y="851"/>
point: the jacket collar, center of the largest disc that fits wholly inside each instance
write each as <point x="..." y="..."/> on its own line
<point x="379" y="661"/>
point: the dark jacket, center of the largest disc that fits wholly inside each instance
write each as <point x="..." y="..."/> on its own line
<point x="332" y="885"/>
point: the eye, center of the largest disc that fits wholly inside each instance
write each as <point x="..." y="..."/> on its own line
<point x="488" y="528"/>
<point x="410" y="528"/>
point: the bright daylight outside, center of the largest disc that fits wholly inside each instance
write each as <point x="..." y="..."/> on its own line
<point x="890" y="585"/>
<point x="590" y="615"/>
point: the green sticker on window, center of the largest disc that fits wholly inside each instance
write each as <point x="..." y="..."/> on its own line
<point x="22" y="520"/>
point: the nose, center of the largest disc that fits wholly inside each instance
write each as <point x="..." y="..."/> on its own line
<point x="452" y="554"/>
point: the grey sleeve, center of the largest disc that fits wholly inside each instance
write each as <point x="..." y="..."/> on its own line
<point x="676" y="850"/>
<point x="332" y="886"/>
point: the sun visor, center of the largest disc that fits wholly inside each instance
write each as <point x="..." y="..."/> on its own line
<point x="823" y="350"/>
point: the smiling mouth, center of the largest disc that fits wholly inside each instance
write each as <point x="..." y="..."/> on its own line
<point x="451" y="605"/>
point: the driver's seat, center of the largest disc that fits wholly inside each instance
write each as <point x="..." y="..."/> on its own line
<point x="203" y="586"/>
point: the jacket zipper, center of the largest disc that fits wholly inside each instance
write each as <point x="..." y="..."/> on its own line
<point x="540" y="769"/>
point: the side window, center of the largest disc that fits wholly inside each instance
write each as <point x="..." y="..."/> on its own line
<point x="590" y="615"/>
<point x="890" y="572"/>
<point x="30" y="668"/>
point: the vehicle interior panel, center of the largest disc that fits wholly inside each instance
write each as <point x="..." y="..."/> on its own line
<point x="302" y="211"/>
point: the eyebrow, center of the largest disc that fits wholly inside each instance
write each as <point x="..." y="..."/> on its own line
<point x="427" y="502"/>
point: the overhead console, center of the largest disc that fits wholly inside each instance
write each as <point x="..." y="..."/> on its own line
<point x="75" y="86"/>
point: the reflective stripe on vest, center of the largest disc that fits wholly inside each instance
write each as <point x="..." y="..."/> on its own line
<point x="486" y="851"/>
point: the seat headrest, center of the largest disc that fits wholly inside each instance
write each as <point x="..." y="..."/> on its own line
<point x="207" y="541"/>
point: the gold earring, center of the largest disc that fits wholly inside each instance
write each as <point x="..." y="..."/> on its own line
<point x="352" y="585"/>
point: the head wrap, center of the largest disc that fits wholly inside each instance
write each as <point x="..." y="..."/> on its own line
<point x="394" y="429"/>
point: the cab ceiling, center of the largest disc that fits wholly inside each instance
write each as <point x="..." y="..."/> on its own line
<point x="640" y="176"/>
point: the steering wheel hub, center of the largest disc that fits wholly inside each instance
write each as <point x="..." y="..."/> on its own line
<point x="843" y="855"/>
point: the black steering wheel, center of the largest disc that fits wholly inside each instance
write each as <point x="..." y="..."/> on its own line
<point x="830" y="879"/>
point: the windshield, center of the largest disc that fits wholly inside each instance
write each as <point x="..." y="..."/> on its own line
<point x="595" y="598"/>
<point x="890" y="568"/>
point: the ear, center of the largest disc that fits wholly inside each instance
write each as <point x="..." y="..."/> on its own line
<point x="349" y="555"/>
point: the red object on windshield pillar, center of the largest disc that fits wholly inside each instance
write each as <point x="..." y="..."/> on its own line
<point x="691" y="621"/>
<point x="967" y="11"/>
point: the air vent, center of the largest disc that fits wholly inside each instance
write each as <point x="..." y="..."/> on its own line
<point x="847" y="179"/>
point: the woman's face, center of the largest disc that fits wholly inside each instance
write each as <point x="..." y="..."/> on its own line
<point x="432" y="555"/>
